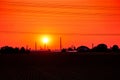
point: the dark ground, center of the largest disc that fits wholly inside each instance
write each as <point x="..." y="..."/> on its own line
<point x="60" y="66"/>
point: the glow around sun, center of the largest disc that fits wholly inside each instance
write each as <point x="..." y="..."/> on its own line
<point x="45" y="40"/>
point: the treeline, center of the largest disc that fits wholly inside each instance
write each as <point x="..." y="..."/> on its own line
<point x="11" y="50"/>
<point x="98" y="48"/>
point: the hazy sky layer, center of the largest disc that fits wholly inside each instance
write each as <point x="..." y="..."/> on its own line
<point x="59" y="16"/>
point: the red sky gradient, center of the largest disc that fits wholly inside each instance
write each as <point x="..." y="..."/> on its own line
<point x="59" y="16"/>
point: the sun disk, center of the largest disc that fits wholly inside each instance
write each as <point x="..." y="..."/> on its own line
<point x="45" y="40"/>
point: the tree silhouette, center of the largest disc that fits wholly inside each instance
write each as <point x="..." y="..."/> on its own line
<point x="11" y="50"/>
<point x="16" y="50"/>
<point x="64" y="50"/>
<point x="7" y="50"/>
<point x="22" y="50"/>
<point x="100" y="48"/>
<point x="70" y="49"/>
<point x="115" y="48"/>
<point x="83" y="49"/>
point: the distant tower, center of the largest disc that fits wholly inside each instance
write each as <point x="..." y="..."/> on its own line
<point x="60" y="43"/>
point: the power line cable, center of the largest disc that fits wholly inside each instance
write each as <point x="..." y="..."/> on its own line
<point x="62" y="12"/>
<point x="46" y="5"/>
<point x="54" y="33"/>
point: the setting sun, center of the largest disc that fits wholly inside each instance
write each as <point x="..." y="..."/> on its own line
<point x="45" y="40"/>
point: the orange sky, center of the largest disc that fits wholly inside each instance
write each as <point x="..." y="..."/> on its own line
<point x="59" y="16"/>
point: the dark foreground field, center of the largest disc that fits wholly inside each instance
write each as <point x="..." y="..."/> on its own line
<point x="60" y="66"/>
